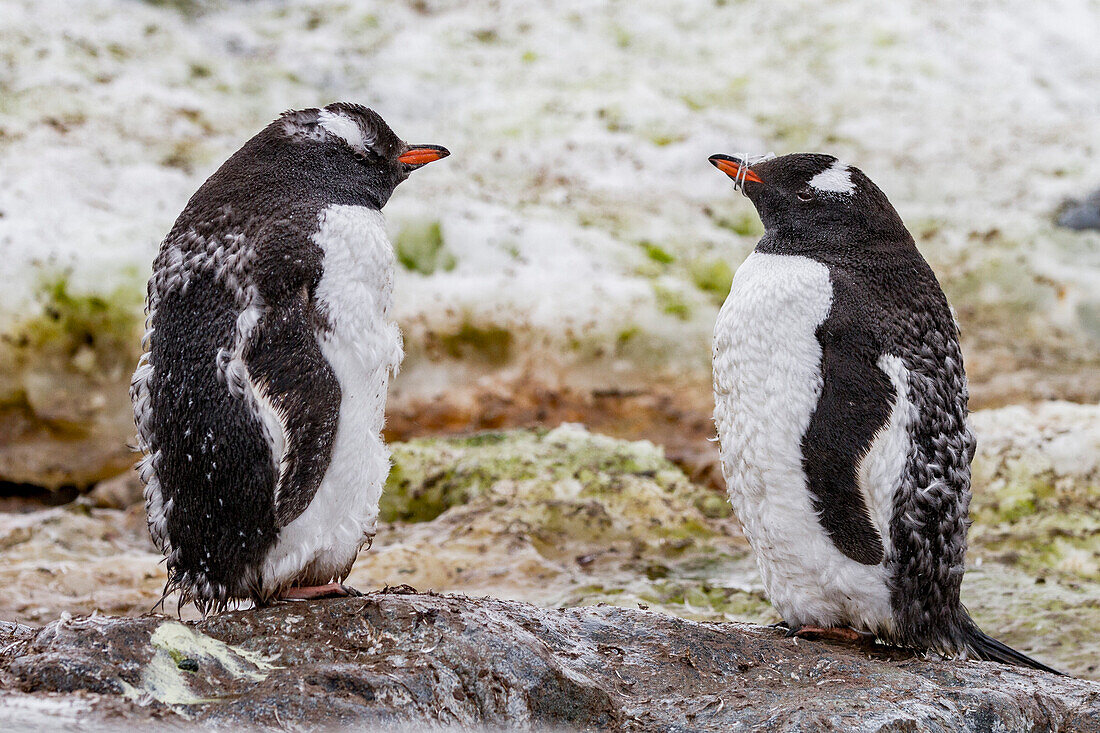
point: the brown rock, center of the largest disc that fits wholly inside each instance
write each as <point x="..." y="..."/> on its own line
<point x="118" y="492"/>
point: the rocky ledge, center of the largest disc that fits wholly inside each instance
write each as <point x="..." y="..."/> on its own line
<point x="398" y="658"/>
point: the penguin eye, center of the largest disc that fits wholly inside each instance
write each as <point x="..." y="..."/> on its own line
<point x="805" y="194"/>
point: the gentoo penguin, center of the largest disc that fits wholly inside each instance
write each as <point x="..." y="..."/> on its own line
<point x="841" y="407"/>
<point x="260" y="399"/>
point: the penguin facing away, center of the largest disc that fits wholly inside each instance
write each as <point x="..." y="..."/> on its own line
<point x="841" y="408"/>
<point x="259" y="402"/>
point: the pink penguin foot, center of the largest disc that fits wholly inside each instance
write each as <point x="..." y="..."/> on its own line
<point x="313" y="592"/>
<point x="845" y="635"/>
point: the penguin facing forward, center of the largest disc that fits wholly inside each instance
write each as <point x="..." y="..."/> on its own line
<point x="841" y="408"/>
<point x="260" y="400"/>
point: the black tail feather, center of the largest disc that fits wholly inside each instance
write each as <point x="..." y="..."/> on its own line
<point x="988" y="648"/>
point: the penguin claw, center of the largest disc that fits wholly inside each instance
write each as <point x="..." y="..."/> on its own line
<point x="779" y="625"/>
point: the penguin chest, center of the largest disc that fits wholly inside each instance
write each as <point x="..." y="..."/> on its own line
<point x="767" y="380"/>
<point x="363" y="348"/>
<point x="361" y="344"/>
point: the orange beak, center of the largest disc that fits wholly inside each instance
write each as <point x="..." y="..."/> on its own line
<point x="418" y="155"/>
<point x="734" y="168"/>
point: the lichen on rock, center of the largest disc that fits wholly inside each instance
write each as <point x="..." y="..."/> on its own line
<point x="1034" y="578"/>
<point x="64" y="371"/>
<point x="561" y="517"/>
<point x="1037" y="488"/>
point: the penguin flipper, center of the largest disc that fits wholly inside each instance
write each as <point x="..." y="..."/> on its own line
<point x="855" y="402"/>
<point x="289" y="373"/>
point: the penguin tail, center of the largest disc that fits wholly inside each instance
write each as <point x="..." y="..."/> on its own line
<point x="986" y="647"/>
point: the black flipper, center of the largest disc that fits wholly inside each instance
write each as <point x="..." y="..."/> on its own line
<point x="855" y="402"/>
<point x="287" y="368"/>
<point x="987" y="648"/>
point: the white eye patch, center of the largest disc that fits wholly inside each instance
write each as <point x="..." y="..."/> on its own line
<point x="346" y="129"/>
<point x="835" y="179"/>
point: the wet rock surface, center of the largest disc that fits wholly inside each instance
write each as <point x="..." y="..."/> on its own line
<point x="401" y="657"/>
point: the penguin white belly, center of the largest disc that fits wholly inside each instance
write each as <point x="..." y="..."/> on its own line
<point x="363" y="348"/>
<point x="767" y="380"/>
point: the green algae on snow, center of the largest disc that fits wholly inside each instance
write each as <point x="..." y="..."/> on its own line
<point x="419" y="248"/>
<point x="83" y="337"/>
<point x="714" y="277"/>
<point x="743" y="224"/>
<point x="69" y="325"/>
<point x="491" y="344"/>
<point x="656" y="253"/>
<point x="672" y="302"/>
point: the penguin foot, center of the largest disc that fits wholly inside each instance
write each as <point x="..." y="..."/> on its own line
<point x="779" y="625"/>
<point x="313" y="592"/>
<point x="844" y="634"/>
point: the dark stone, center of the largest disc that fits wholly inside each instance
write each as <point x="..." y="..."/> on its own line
<point x="1081" y="214"/>
<point x="391" y="658"/>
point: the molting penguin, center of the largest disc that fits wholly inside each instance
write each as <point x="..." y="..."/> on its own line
<point x="260" y="400"/>
<point x="841" y="407"/>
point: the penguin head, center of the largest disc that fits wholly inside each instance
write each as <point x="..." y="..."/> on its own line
<point x="813" y="197"/>
<point x="352" y="132"/>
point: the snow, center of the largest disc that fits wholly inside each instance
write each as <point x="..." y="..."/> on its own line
<point x="577" y="131"/>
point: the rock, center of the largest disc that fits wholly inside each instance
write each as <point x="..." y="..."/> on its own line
<point x="566" y="517"/>
<point x="1035" y="537"/>
<point x="557" y="517"/>
<point x="37" y="453"/>
<point x="561" y="517"/>
<point x="1037" y="487"/>
<point x="13" y="632"/>
<point x="397" y="657"/>
<point x="118" y="492"/>
<point x="64" y="415"/>
<point x="1084" y="214"/>
<point x="77" y="559"/>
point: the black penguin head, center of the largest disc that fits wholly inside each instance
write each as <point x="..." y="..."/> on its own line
<point x="353" y="132"/>
<point x="811" y="197"/>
